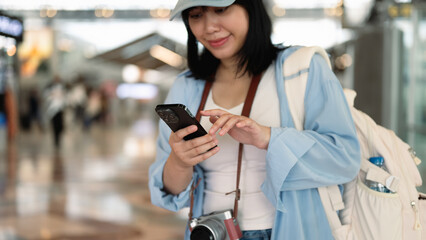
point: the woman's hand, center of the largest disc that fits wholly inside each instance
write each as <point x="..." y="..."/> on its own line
<point x="178" y="169"/>
<point x="240" y="128"/>
<point x="186" y="154"/>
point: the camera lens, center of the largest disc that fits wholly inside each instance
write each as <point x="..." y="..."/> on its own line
<point x="162" y="114"/>
<point x="168" y="116"/>
<point x="210" y="229"/>
<point x="201" y="233"/>
<point x="173" y="118"/>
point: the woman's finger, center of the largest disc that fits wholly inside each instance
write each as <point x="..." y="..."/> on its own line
<point x="213" y="112"/>
<point x="197" y="142"/>
<point x="180" y="134"/>
<point x="219" y="123"/>
<point x="245" y="123"/>
<point x="186" y="151"/>
<point x="206" y="155"/>
<point x="229" y="124"/>
<point x="203" y="148"/>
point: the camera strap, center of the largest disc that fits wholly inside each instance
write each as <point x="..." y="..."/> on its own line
<point x="246" y="112"/>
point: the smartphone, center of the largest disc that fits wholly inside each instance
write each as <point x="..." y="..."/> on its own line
<point x="178" y="116"/>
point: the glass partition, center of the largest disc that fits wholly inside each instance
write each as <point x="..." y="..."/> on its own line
<point x="416" y="89"/>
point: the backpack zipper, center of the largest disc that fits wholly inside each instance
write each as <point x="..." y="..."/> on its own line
<point x="413" y="203"/>
<point x="417" y="224"/>
<point x="413" y="154"/>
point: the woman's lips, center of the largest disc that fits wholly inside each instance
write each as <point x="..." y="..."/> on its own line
<point x="218" y="42"/>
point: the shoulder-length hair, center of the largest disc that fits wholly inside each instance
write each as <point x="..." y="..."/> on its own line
<point x="256" y="54"/>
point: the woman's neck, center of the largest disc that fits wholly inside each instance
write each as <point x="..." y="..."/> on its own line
<point x="230" y="87"/>
<point x="228" y="71"/>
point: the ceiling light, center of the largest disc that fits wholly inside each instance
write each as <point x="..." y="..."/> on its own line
<point x="131" y="73"/>
<point x="141" y="91"/>
<point x="307" y="4"/>
<point x="11" y="51"/>
<point x="167" y="56"/>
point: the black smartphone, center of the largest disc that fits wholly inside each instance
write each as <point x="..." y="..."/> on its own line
<point x="178" y="116"/>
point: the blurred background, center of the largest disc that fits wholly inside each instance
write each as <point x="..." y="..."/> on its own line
<point x="79" y="81"/>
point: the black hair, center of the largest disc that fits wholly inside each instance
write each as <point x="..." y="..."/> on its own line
<point x="256" y="54"/>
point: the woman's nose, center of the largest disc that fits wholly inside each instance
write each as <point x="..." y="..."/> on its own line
<point x="211" y="23"/>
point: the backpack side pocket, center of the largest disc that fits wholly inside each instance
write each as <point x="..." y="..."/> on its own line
<point x="378" y="215"/>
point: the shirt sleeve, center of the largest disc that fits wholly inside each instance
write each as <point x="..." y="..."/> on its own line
<point x="326" y="152"/>
<point x="159" y="197"/>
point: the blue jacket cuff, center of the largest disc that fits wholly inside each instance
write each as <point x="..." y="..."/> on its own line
<point x="286" y="146"/>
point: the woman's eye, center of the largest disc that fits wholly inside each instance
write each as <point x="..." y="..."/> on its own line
<point x="221" y="10"/>
<point x="195" y="13"/>
<point x="194" y="16"/>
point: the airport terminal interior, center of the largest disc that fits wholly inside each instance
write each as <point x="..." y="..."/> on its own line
<point x="79" y="81"/>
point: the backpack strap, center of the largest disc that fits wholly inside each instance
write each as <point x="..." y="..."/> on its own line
<point x="373" y="173"/>
<point x="295" y="72"/>
<point x="332" y="201"/>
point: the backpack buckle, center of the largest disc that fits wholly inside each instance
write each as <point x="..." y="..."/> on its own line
<point x="392" y="183"/>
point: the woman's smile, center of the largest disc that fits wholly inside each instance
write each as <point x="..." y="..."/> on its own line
<point x="218" y="42"/>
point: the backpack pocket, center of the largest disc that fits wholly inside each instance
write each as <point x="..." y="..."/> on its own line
<point x="378" y="215"/>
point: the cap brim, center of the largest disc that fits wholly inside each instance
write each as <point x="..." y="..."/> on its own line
<point x="183" y="5"/>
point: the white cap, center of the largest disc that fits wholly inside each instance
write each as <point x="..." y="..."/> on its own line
<point x="182" y="5"/>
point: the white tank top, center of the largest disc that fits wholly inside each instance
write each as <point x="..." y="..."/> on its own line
<point x="255" y="212"/>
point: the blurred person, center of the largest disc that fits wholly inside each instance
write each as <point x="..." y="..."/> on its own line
<point x="56" y="101"/>
<point x="34" y="108"/>
<point x="11" y="114"/>
<point x="8" y="119"/>
<point x="93" y="108"/>
<point x="281" y="167"/>
<point x="105" y="117"/>
<point x="78" y="99"/>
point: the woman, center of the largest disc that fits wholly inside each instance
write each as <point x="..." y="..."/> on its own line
<point x="281" y="167"/>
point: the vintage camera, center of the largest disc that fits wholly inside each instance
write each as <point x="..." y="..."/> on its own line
<point x="215" y="226"/>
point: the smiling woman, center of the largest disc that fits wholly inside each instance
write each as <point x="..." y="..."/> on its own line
<point x="222" y="30"/>
<point x="264" y="173"/>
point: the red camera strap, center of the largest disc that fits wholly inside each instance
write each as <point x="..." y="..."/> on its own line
<point x="246" y="112"/>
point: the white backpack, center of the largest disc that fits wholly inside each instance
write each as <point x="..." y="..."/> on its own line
<point x="362" y="213"/>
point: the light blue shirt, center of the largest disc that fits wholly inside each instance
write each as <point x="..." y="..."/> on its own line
<point x="326" y="153"/>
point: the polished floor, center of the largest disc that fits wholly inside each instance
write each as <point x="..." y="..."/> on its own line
<point x="93" y="188"/>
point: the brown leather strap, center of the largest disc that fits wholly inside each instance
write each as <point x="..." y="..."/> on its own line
<point x="250" y="96"/>
<point x="206" y="91"/>
<point x="246" y="112"/>
<point x="191" y="193"/>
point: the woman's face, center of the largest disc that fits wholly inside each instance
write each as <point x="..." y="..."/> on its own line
<point x="222" y="30"/>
